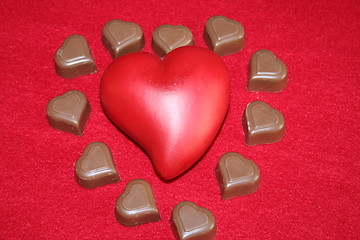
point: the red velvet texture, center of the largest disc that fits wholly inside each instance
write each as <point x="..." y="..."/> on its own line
<point x="310" y="179"/>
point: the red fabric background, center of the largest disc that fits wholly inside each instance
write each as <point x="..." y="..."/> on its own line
<point x="310" y="179"/>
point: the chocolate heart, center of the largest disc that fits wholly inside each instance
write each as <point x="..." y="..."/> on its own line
<point x="95" y="167"/>
<point x="237" y="176"/>
<point x="74" y="58"/>
<point x="137" y="204"/>
<point x="69" y="112"/>
<point x="193" y="222"/>
<point x="262" y="124"/>
<point x="166" y="38"/>
<point x="137" y="198"/>
<point x="224" y="36"/>
<point x="120" y="37"/>
<point x="267" y="72"/>
<point x="172" y="108"/>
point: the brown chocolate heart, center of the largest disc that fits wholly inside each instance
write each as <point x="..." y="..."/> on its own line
<point x="69" y="112"/>
<point x="166" y="38"/>
<point x="237" y="176"/>
<point x="137" y="198"/>
<point x="193" y="222"/>
<point x="120" y="37"/>
<point x="95" y="167"/>
<point x="74" y="58"/>
<point x="262" y="124"/>
<point x="137" y="204"/>
<point x="267" y="72"/>
<point x="224" y="36"/>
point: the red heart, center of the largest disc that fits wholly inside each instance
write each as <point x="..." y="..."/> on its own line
<point x="172" y="108"/>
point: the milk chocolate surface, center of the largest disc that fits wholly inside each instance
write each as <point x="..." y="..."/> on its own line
<point x="73" y="58"/>
<point x="223" y="35"/>
<point x="136" y="205"/>
<point x="237" y="176"/>
<point x="192" y="222"/>
<point x="166" y="38"/>
<point x="267" y="72"/>
<point x="95" y="167"/>
<point x="262" y="124"/>
<point x="120" y="37"/>
<point x="69" y="112"/>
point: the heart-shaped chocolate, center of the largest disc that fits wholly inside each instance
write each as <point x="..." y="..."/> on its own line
<point x="136" y="205"/>
<point x="237" y="176"/>
<point x="267" y="72"/>
<point x="120" y="37"/>
<point x="172" y="108"/>
<point x="224" y="36"/>
<point x="262" y="124"/>
<point x="69" y="112"/>
<point x="167" y="37"/>
<point x="74" y="58"/>
<point x="193" y="222"/>
<point x="95" y="167"/>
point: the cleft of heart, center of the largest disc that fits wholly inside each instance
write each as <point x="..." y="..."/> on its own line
<point x="173" y="107"/>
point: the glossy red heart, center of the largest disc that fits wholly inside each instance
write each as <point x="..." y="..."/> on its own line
<point x="173" y="107"/>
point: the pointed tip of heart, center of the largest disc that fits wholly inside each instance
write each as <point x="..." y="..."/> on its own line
<point x="172" y="166"/>
<point x="167" y="167"/>
<point x="168" y="172"/>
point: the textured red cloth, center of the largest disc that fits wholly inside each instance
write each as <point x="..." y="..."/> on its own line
<point x="310" y="179"/>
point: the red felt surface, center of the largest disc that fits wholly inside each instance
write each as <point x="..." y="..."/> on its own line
<point x="310" y="179"/>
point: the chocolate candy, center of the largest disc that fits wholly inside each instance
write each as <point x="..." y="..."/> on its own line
<point x="120" y="37"/>
<point x="74" y="58"/>
<point x="262" y="124"/>
<point x="237" y="176"/>
<point x="191" y="222"/>
<point x="166" y="38"/>
<point x="69" y="112"/>
<point x="95" y="167"/>
<point x="224" y="36"/>
<point x="267" y="72"/>
<point x="136" y="205"/>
